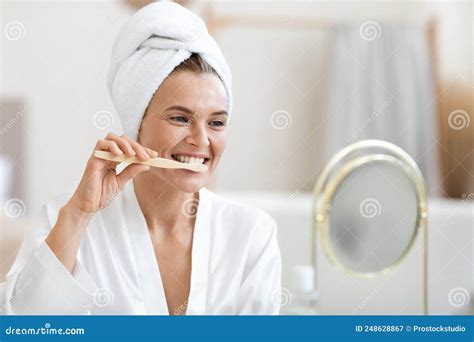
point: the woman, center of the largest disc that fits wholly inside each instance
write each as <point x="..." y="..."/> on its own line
<point x="154" y="240"/>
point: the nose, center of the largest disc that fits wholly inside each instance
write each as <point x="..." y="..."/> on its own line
<point x="198" y="136"/>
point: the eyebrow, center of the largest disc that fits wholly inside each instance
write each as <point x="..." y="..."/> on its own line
<point x="188" y="111"/>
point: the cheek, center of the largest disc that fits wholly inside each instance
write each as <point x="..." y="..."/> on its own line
<point x="164" y="138"/>
<point x="218" y="144"/>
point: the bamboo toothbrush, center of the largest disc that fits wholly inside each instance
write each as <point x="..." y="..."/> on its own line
<point x="155" y="162"/>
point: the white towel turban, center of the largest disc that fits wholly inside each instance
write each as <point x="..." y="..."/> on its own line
<point x="151" y="44"/>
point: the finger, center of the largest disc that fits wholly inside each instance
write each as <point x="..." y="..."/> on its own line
<point x="107" y="145"/>
<point x="141" y="152"/>
<point x="131" y="172"/>
<point x="151" y="152"/>
<point x="122" y="143"/>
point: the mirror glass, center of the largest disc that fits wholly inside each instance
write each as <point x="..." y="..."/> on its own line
<point x="373" y="216"/>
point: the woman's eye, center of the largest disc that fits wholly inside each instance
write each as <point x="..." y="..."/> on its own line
<point x="179" y="119"/>
<point x="218" y="123"/>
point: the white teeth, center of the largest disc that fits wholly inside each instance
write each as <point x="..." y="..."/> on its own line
<point x="191" y="160"/>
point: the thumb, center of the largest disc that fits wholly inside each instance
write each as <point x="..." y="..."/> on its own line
<point x="131" y="172"/>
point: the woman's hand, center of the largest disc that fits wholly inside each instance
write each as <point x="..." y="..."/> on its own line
<point x="100" y="183"/>
<point x="98" y="186"/>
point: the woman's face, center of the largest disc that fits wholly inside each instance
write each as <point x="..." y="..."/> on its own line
<point x="187" y="116"/>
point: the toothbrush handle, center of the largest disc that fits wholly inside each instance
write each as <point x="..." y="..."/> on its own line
<point x="155" y="162"/>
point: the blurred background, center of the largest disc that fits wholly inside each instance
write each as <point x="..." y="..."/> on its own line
<point x="308" y="77"/>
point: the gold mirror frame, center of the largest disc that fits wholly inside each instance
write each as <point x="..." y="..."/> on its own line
<point x="331" y="178"/>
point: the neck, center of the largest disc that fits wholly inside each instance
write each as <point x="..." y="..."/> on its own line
<point x="161" y="204"/>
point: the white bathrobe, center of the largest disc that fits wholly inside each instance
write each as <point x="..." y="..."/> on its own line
<point x="236" y="264"/>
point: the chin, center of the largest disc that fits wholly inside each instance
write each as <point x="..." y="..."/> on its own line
<point x="188" y="188"/>
<point x="189" y="184"/>
<point x="183" y="180"/>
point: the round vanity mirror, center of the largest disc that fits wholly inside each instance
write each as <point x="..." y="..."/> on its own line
<point x="372" y="220"/>
<point x="369" y="207"/>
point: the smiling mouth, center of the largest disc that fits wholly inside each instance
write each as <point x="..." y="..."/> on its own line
<point x="190" y="160"/>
